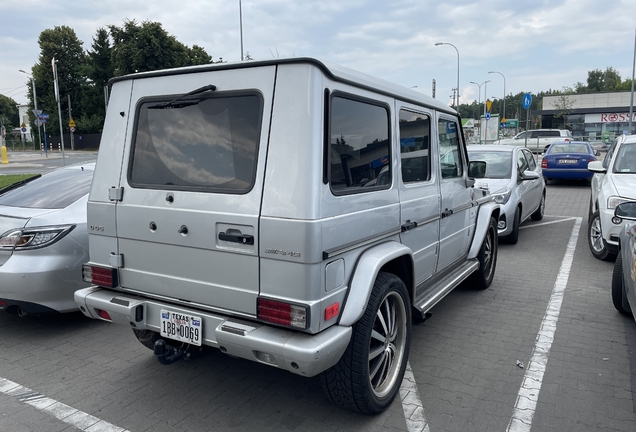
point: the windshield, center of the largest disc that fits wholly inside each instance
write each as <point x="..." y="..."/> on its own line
<point x="625" y="161"/>
<point x="498" y="163"/>
<point x="55" y="190"/>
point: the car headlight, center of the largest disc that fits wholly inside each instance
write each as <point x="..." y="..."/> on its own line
<point x="613" y="201"/>
<point x="33" y="238"/>
<point x="501" y="197"/>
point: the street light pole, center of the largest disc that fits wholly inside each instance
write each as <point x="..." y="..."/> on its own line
<point x="631" y="101"/>
<point x="35" y="102"/>
<point x="241" y="27"/>
<point x="59" y="110"/>
<point x="446" y="43"/>
<point x="479" y="104"/>
<point x="504" y="104"/>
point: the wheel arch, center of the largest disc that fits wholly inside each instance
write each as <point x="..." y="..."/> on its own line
<point x="486" y="211"/>
<point x="390" y="257"/>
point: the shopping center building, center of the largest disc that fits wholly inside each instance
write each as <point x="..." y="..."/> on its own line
<point x="591" y="116"/>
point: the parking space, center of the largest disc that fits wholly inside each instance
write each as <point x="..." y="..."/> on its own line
<point x="464" y="360"/>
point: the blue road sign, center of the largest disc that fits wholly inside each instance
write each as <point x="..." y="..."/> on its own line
<point x="527" y="100"/>
<point x="487" y="116"/>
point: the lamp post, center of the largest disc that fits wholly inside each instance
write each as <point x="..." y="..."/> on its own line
<point x="446" y="43"/>
<point x="479" y="104"/>
<point x="59" y="110"/>
<point x="241" y="27"/>
<point x="631" y="101"/>
<point x="35" y="103"/>
<point x="504" y="100"/>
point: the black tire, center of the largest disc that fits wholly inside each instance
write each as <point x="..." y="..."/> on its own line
<point x="482" y="278"/>
<point x="546" y="180"/>
<point x="513" y="237"/>
<point x="595" y="240"/>
<point x="539" y="212"/>
<point x="618" y="291"/>
<point x="589" y="212"/>
<point x="352" y="382"/>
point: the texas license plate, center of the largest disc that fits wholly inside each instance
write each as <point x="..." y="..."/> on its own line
<point x="181" y="327"/>
<point x="568" y="161"/>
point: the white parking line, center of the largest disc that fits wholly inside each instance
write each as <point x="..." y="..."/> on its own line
<point x="528" y="395"/>
<point x="565" y="219"/>
<point x="81" y="420"/>
<point x="412" y="404"/>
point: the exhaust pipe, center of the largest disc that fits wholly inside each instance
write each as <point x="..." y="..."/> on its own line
<point x="21" y="312"/>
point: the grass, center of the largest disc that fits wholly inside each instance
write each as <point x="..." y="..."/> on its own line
<point x="7" y="180"/>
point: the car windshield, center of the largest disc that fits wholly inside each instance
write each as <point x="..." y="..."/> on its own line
<point x="498" y="163"/>
<point x="55" y="190"/>
<point x="569" y="148"/>
<point x="625" y="161"/>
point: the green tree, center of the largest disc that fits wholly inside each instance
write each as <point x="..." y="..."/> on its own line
<point x="564" y="104"/>
<point x="62" y="43"/>
<point x="8" y="113"/>
<point x="147" y="47"/>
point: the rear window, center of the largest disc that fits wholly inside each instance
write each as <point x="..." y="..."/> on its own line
<point x="569" y="148"/>
<point x="55" y="190"/>
<point x="203" y="143"/>
<point x="498" y="163"/>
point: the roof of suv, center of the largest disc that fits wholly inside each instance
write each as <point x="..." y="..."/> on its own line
<point x="334" y="71"/>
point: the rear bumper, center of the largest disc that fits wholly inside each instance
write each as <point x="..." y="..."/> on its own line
<point x="299" y="353"/>
<point x="574" y="174"/>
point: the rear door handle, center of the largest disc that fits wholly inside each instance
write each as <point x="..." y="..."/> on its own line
<point x="237" y="238"/>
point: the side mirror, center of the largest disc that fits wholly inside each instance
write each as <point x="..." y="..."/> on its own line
<point x="476" y="169"/>
<point x="530" y="175"/>
<point x="626" y="210"/>
<point x="596" y="167"/>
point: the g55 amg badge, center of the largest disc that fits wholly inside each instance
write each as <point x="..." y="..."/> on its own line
<point x="282" y="252"/>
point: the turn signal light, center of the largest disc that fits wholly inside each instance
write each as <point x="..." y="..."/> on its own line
<point x="282" y="313"/>
<point x="332" y="311"/>
<point x="102" y="276"/>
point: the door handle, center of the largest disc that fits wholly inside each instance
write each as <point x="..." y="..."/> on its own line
<point x="237" y="238"/>
<point x="446" y="213"/>
<point x="408" y="226"/>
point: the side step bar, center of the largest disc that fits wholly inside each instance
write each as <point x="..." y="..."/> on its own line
<point x="438" y="290"/>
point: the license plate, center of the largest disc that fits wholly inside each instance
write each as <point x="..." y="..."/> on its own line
<point x="568" y="161"/>
<point x="181" y="327"/>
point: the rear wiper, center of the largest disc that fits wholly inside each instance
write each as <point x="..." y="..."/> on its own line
<point x="172" y="104"/>
<point x="18" y="183"/>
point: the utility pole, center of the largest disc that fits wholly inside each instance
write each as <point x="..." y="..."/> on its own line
<point x="59" y="110"/>
<point x="71" y="122"/>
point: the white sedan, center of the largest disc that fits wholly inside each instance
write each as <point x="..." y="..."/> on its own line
<point x="614" y="182"/>
<point x="515" y="183"/>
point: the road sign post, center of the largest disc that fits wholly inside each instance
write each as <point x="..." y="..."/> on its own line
<point x="527" y="101"/>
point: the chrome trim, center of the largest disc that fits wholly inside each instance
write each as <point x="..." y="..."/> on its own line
<point x="330" y="253"/>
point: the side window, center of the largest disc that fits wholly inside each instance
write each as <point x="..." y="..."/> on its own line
<point x="450" y="150"/>
<point x="522" y="135"/>
<point x="522" y="163"/>
<point x="415" y="133"/>
<point x="532" y="165"/>
<point x="359" y="147"/>
<point x="610" y="153"/>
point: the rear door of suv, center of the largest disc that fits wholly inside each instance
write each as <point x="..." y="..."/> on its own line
<point x="192" y="178"/>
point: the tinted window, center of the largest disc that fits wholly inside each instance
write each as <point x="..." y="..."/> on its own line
<point x="359" y="146"/>
<point x="209" y="145"/>
<point x="626" y="159"/>
<point x="498" y="163"/>
<point x="531" y="162"/>
<point x="450" y="153"/>
<point x="55" y="190"/>
<point x="415" y="134"/>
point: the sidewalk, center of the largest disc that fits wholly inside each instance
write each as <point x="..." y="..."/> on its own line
<point x="30" y="159"/>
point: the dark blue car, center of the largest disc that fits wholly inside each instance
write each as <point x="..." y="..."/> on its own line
<point x="568" y="160"/>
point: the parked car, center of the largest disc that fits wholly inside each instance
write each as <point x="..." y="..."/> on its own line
<point x="44" y="241"/>
<point x="624" y="274"/>
<point x="600" y="146"/>
<point x="537" y="140"/>
<point x="614" y="182"/>
<point x="568" y="161"/>
<point x="228" y="217"/>
<point x="515" y="183"/>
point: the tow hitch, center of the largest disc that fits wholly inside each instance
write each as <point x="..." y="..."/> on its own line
<point x="167" y="354"/>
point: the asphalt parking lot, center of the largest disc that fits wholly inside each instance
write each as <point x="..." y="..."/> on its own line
<point x="549" y="308"/>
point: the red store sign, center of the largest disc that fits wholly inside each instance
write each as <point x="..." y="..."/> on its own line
<point x="609" y="118"/>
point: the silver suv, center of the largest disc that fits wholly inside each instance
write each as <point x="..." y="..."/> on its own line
<point x="289" y="212"/>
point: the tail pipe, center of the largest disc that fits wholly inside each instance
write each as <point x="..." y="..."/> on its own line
<point x="21" y="312"/>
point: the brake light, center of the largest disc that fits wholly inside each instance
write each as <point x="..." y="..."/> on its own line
<point x="286" y="314"/>
<point x="103" y="314"/>
<point x="544" y="163"/>
<point x="102" y="276"/>
<point x="2" y="304"/>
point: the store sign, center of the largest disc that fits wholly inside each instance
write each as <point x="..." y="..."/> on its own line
<point x="609" y="118"/>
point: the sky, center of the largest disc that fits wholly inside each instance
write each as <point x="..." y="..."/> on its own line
<point x="536" y="45"/>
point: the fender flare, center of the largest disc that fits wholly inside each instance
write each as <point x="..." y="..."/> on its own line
<point x="367" y="269"/>
<point x="481" y="227"/>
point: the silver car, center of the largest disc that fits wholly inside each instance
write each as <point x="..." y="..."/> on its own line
<point x="515" y="182"/>
<point x="44" y="241"/>
<point x="624" y="275"/>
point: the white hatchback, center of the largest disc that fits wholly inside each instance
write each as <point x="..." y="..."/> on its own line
<point x="614" y="182"/>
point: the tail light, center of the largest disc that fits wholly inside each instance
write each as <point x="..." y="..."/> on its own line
<point x="286" y="314"/>
<point x="102" y="276"/>
<point x="33" y="238"/>
<point x="544" y="163"/>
